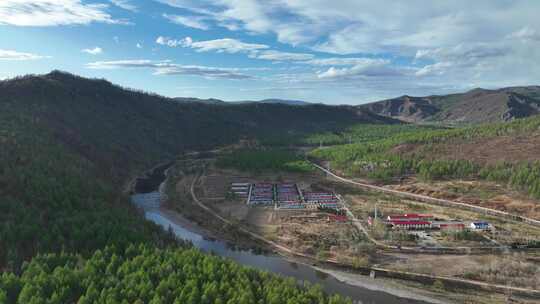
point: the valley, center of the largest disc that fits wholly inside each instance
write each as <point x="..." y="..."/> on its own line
<point x="269" y="152"/>
<point x="292" y="233"/>
<point x="367" y="206"/>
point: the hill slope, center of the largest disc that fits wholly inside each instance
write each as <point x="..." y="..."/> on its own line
<point x="475" y="106"/>
<point x="68" y="143"/>
<point x="117" y="128"/>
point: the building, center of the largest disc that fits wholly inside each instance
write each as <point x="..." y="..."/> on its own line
<point x="261" y="194"/>
<point x="410" y="217"/>
<point x="448" y="225"/>
<point x="480" y="225"/>
<point x="240" y="189"/>
<point x="409" y="225"/>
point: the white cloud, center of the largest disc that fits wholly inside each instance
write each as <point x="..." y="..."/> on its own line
<point x="166" y="67"/>
<point x="438" y="68"/>
<point x="226" y="45"/>
<point x="94" y="51"/>
<point x="186" y="42"/>
<point x="460" y="57"/>
<point x="368" y="68"/>
<point x="339" y="61"/>
<point x="207" y="72"/>
<point x="125" y="4"/>
<point x="281" y="56"/>
<point x="196" y="22"/>
<point x="137" y="63"/>
<point x="463" y="52"/>
<point x="233" y="46"/>
<point x="53" y="12"/>
<point x="526" y="34"/>
<point x="139" y="45"/>
<point x="18" y="56"/>
<point x="356" y="26"/>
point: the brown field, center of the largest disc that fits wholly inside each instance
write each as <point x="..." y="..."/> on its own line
<point x="481" y="193"/>
<point x="315" y="234"/>
<point x="510" y="149"/>
<point x="308" y="232"/>
<point x="511" y="269"/>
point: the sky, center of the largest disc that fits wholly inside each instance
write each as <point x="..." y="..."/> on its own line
<point x="335" y="52"/>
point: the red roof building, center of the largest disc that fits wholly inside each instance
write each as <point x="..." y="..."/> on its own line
<point x="409" y="216"/>
<point x="406" y="224"/>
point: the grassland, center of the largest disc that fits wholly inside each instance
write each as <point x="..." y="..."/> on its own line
<point x="264" y="160"/>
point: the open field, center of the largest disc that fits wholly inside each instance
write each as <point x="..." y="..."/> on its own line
<point x="490" y="150"/>
<point x="511" y="269"/>
<point x="314" y="234"/>
<point x="482" y="193"/>
<point x="307" y="231"/>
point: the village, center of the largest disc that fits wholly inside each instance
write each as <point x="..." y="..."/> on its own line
<point x="313" y="215"/>
<point x="287" y="196"/>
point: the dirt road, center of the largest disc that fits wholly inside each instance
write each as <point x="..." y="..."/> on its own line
<point x="433" y="200"/>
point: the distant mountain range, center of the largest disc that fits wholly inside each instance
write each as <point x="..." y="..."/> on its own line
<point x="475" y="106"/>
<point x="264" y="101"/>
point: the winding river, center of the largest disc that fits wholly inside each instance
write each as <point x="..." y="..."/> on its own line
<point x="273" y="263"/>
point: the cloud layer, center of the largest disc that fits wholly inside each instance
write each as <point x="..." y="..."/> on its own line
<point x="93" y="51"/>
<point x="349" y="48"/>
<point x="18" y="56"/>
<point x="166" y="67"/>
<point x="53" y="13"/>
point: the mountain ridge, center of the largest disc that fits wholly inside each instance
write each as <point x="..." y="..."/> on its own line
<point x="474" y="106"/>
<point x="262" y="101"/>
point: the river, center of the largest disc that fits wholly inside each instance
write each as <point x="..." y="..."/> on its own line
<point x="272" y="263"/>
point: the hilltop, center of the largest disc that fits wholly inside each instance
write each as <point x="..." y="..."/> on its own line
<point x="475" y="106"/>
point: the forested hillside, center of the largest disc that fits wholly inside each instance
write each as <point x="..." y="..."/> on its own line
<point x="68" y="144"/>
<point x="120" y="129"/>
<point x="52" y="199"/>
<point x="439" y="154"/>
<point x="142" y="274"/>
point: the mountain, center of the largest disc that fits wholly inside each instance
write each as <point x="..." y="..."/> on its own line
<point x="69" y="145"/>
<point x="199" y="100"/>
<point x="113" y="126"/>
<point x="285" y="101"/>
<point x="221" y="102"/>
<point x="475" y="106"/>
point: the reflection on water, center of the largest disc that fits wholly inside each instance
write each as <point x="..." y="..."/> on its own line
<point x="277" y="264"/>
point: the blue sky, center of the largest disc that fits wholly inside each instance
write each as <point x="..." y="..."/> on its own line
<point x="341" y="51"/>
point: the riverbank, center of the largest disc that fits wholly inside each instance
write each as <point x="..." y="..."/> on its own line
<point x="357" y="280"/>
<point x="408" y="292"/>
<point x="383" y="285"/>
